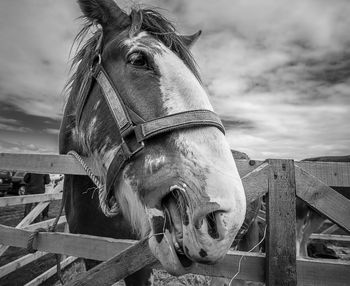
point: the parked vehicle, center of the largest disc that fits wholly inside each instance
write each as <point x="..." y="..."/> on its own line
<point x="18" y="184"/>
<point x="5" y="182"/>
<point x="56" y="178"/>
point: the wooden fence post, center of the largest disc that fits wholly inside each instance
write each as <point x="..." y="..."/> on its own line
<point x="281" y="218"/>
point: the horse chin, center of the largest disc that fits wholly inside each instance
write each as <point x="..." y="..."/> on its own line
<point x="173" y="261"/>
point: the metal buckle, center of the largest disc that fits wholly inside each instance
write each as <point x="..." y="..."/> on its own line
<point x="127" y="133"/>
<point x="96" y="61"/>
<point x="130" y="153"/>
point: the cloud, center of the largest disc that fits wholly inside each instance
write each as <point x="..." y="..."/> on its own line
<point x="277" y="72"/>
<point x="231" y="122"/>
<point x="12" y="128"/>
<point x="14" y="117"/>
<point x="8" y="120"/>
<point x="36" y="39"/>
<point x="283" y="66"/>
<point x="52" y="131"/>
<point x="20" y="147"/>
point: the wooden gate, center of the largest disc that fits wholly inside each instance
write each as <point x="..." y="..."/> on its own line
<point x="281" y="180"/>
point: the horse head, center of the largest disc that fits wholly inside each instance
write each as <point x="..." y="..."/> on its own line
<point x="179" y="186"/>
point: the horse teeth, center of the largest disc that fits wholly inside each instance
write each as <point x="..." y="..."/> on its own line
<point x="178" y="248"/>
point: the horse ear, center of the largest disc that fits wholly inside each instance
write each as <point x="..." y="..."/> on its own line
<point x="190" y="40"/>
<point x="104" y="12"/>
<point x="136" y="22"/>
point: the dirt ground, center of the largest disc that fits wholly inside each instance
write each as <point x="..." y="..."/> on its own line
<point x="11" y="216"/>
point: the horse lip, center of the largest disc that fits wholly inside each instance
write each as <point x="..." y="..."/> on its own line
<point x="177" y="240"/>
<point x="165" y="252"/>
<point x="182" y="256"/>
<point x="174" y="225"/>
<point x="174" y="206"/>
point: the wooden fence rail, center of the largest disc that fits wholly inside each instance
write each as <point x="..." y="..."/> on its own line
<point x="282" y="180"/>
<point x="33" y="213"/>
<point x="314" y="272"/>
<point x="20" y="200"/>
<point x="330" y="173"/>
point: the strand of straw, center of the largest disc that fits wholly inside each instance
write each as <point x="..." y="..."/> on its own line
<point x="240" y="260"/>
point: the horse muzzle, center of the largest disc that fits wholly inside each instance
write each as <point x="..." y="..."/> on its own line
<point x="187" y="230"/>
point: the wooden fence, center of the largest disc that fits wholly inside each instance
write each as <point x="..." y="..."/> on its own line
<point x="281" y="180"/>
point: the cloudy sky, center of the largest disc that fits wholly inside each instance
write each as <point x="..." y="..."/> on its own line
<point x="278" y="72"/>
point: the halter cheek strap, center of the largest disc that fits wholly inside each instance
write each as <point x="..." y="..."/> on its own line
<point x="134" y="136"/>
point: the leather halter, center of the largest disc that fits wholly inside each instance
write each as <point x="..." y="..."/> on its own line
<point x="134" y="136"/>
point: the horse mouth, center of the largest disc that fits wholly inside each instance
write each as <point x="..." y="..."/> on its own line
<point x="185" y="232"/>
<point x="184" y="260"/>
<point x="175" y="211"/>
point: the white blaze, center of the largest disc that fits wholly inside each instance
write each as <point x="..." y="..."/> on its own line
<point x="182" y="91"/>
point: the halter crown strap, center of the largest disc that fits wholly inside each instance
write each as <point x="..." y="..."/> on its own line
<point x="133" y="136"/>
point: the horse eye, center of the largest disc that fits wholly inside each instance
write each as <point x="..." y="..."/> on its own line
<point x="137" y="59"/>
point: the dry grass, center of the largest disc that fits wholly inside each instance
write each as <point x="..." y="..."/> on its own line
<point x="162" y="278"/>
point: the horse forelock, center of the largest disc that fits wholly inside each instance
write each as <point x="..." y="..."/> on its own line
<point x="165" y="32"/>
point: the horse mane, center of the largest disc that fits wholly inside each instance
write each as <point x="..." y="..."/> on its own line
<point x="152" y="22"/>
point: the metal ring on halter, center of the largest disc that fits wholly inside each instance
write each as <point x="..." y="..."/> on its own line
<point x="95" y="62"/>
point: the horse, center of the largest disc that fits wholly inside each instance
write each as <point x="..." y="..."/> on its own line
<point x="138" y="110"/>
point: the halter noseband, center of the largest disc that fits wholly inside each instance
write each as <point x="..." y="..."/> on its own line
<point x="133" y="136"/>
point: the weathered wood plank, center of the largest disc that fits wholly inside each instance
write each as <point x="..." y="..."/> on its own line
<point x="310" y="272"/>
<point x="331" y="173"/>
<point x="255" y="182"/>
<point x="34" y="213"/>
<point x="331" y="229"/>
<point x="41" y="163"/>
<point x="323" y="198"/>
<point x="20" y="262"/>
<point x="26" y="199"/>
<point x="50" y="272"/>
<point x="280" y="235"/>
<point x="313" y="272"/>
<point x="246" y="166"/>
<point x="251" y="267"/>
<point x="334" y="237"/>
<point x="78" y="245"/>
<point x="335" y="174"/>
<point x="323" y="272"/>
<point x="45" y="224"/>
<point x="66" y="164"/>
<point x="118" y="267"/>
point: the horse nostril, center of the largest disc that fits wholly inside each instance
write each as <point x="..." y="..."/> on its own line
<point x="212" y="225"/>
<point x="215" y="225"/>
